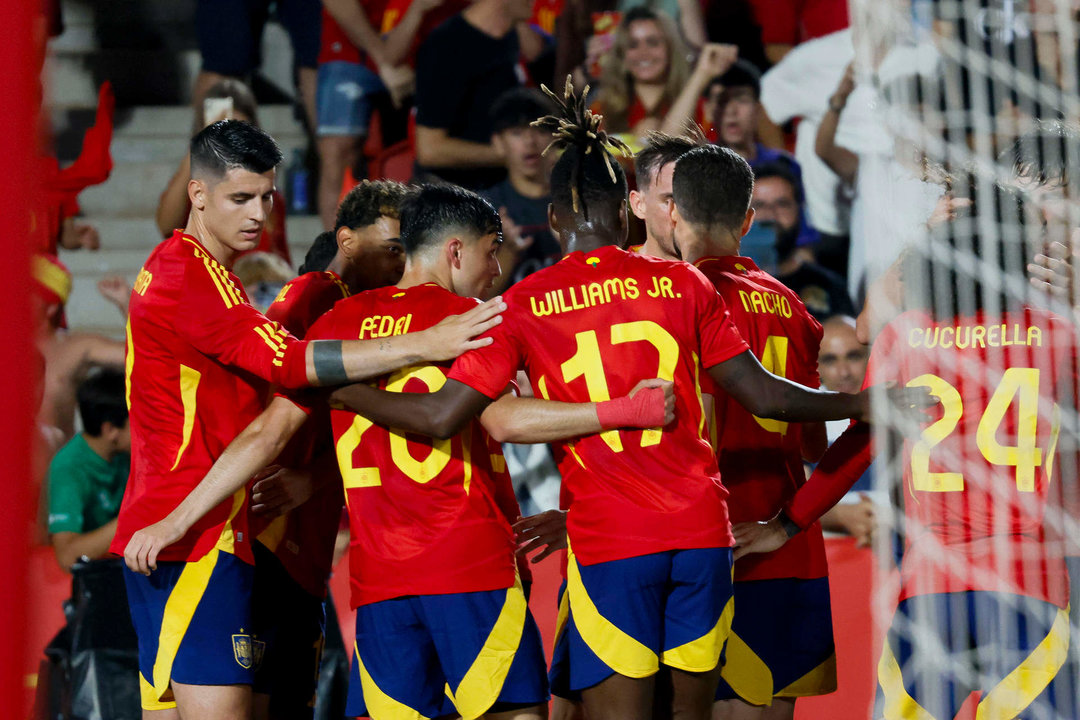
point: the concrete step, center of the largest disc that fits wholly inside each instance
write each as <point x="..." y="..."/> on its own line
<point x="132" y="190"/>
<point x="126" y="233"/>
<point x="176" y="120"/>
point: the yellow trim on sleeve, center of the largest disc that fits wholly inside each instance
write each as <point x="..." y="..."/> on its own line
<point x="379" y="704"/>
<point x="219" y="275"/>
<point x="1025" y="683"/>
<point x="189" y="389"/>
<point x="175" y="619"/>
<point x="615" y="648"/>
<point x="702" y="654"/>
<point x="898" y="704"/>
<point x="483" y="682"/>
<point x="819" y="681"/>
<point x="747" y="674"/>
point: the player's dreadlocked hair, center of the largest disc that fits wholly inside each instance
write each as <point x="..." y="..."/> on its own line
<point x="586" y="171"/>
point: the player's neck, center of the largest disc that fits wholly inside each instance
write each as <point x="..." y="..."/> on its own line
<point x="419" y="273"/>
<point x="197" y="229"/>
<point x="652" y="249"/>
<point x="345" y="270"/>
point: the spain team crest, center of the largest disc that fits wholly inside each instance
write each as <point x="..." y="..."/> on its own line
<point x="242" y="650"/>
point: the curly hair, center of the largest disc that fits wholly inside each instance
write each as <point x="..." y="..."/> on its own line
<point x="368" y="201"/>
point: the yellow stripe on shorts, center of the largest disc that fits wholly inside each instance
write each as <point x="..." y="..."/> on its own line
<point x="381" y="706"/>
<point x="819" y="681"/>
<point x="702" y="654"/>
<point x="898" y="704"/>
<point x="1025" y="683"/>
<point x="616" y="649"/>
<point x="179" y="609"/>
<point x="483" y="682"/>
<point x="747" y="674"/>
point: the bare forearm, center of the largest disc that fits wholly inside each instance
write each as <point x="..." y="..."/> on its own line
<point x="333" y="362"/>
<point x="530" y="420"/>
<point x="439" y="150"/>
<point x="441" y="415"/>
<point x="350" y="17"/>
<point x="769" y="396"/>
<point x="682" y="110"/>
<point x="172" y="209"/>
<point x="69" y="547"/>
<point x="692" y="23"/>
<point x="398" y="42"/>
<point x="840" y="160"/>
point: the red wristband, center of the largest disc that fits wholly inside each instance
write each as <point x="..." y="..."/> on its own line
<point x="644" y="410"/>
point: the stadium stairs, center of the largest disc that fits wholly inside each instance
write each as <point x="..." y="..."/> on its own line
<point x="147" y="49"/>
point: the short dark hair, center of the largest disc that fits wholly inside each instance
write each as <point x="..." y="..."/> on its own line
<point x="782" y="170"/>
<point x="432" y="212"/>
<point x="659" y="150"/>
<point x="101" y="398"/>
<point x="321" y="253"/>
<point x="228" y="144"/>
<point x="368" y="201"/>
<point x="1047" y="155"/>
<point x="712" y="187"/>
<point x="518" y="107"/>
<point x="742" y="74"/>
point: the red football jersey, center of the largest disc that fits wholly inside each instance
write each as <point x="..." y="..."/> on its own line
<point x="425" y="514"/>
<point x="199" y="358"/>
<point x="588" y="329"/>
<point x="304" y="539"/>
<point x="761" y="460"/>
<point x="979" y="480"/>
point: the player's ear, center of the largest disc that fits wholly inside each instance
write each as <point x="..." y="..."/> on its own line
<point x="637" y="204"/>
<point x="453" y="252"/>
<point x="197" y="192"/>
<point x="347" y="241"/>
<point x="553" y="220"/>
<point x="747" y="222"/>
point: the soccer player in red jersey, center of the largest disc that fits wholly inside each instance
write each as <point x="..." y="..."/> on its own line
<point x="983" y="604"/>
<point x="651" y="201"/>
<point x="198" y="358"/>
<point x="781" y="644"/>
<point x="429" y="518"/>
<point x="294" y="551"/>
<point x="650" y="544"/>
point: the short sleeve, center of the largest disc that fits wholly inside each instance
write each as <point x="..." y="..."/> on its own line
<point x="718" y="337"/>
<point x="490" y="369"/>
<point x="65" y="499"/>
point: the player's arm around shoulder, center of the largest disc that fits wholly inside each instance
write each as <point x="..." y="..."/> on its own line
<point x="651" y="404"/>
<point x="252" y="450"/>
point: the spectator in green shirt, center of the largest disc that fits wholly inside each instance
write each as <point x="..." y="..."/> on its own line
<point x="88" y="475"/>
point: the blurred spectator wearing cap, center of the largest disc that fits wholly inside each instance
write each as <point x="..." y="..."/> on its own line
<point x="365" y="63"/>
<point x="230" y="41"/>
<point x="68" y="356"/>
<point x="777" y="201"/>
<point x="227" y="100"/>
<point x="523" y="197"/>
<point x="461" y="69"/>
<point x="88" y="475"/>
<point x="646" y="83"/>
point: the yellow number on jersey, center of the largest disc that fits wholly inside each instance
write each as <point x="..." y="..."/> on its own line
<point x="1020" y="384"/>
<point x="921" y="477"/>
<point x="774" y="359"/>
<point x="586" y="362"/>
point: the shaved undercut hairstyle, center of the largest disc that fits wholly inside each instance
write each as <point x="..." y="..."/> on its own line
<point x="229" y="144"/>
<point x="370" y="200"/>
<point x="585" y="175"/>
<point x="434" y="212"/>
<point x="660" y="150"/>
<point x="712" y="187"/>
